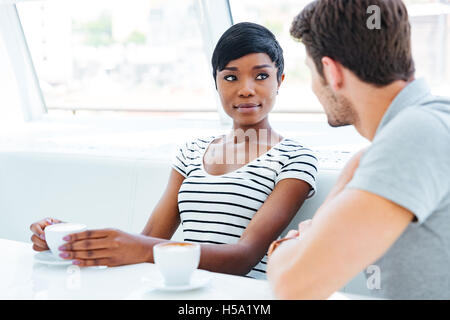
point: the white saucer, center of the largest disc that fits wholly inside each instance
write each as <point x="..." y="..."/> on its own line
<point x="46" y="257"/>
<point x="198" y="280"/>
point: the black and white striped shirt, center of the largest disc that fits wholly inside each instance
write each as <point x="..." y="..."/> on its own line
<point x="217" y="209"/>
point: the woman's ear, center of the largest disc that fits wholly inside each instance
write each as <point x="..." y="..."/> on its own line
<point x="281" y="79"/>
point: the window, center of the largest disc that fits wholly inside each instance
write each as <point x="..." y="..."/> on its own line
<point x="151" y="55"/>
<point x="119" y="55"/>
<point x="430" y="22"/>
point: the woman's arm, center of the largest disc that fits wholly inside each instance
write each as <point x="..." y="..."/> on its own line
<point x="267" y="224"/>
<point x="113" y="247"/>
<point x="165" y="218"/>
<point x="344" y="178"/>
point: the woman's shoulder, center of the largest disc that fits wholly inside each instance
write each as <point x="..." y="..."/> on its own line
<point x="293" y="146"/>
<point x="290" y="150"/>
<point x="196" y="143"/>
<point x="191" y="151"/>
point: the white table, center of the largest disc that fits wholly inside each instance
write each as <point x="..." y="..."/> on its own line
<point x="24" y="278"/>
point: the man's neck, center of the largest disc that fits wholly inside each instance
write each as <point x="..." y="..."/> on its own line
<point x="371" y="103"/>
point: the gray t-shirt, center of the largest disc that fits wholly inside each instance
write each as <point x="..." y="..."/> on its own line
<point x="408" y="163"/>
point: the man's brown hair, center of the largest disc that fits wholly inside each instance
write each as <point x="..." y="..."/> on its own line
<point x="339" y="29"/>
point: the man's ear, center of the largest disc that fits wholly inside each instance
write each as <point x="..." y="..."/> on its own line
<point x="332" y="71"/>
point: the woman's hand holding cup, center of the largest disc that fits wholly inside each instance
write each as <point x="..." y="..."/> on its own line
<point x="38" y="237"/>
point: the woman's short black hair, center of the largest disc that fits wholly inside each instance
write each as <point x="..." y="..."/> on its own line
<point x="245" y="38"/>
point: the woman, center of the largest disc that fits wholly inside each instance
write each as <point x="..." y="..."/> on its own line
<point x="235" y="193"/>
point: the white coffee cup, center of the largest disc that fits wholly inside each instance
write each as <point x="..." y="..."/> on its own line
<point x="55" y="233"/>
<point x="176" y="261"/>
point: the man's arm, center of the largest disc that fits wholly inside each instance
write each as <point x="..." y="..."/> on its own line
<point x="347" y="234"/>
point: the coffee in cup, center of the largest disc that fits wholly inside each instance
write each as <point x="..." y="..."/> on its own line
<point x="176" y="261"/>
<point x="55" y="233"/>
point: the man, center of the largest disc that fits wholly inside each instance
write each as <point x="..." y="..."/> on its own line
<point x="391" y="205"/>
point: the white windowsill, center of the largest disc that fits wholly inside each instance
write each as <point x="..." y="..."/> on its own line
<point x="155" y="137"/>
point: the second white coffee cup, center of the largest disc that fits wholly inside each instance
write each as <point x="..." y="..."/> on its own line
<point x="176" y="261"/>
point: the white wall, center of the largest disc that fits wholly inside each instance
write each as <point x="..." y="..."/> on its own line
<point x="100" y="192"/>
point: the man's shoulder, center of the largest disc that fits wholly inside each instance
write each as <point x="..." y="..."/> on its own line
<point x="425" y="121"/>
<point x="418" y="133"/>
<point x="439" y="110"/>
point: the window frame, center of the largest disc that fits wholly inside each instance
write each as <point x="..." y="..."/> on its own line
<point x="216" y="19"/>
<point x="30" y="94"/>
